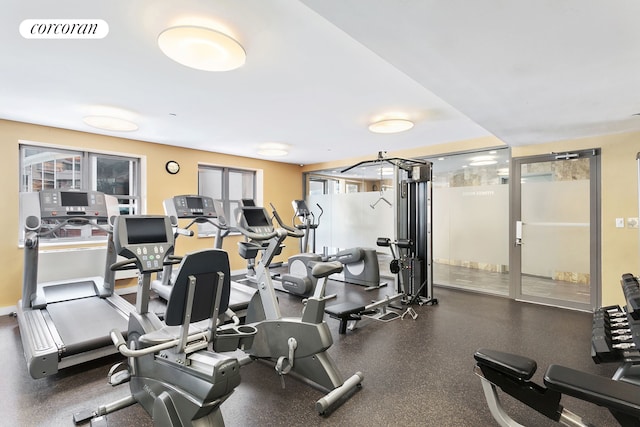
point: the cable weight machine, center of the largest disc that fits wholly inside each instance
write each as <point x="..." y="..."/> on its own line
<point x="414" y="214"/>
<point x="414" y="262"/>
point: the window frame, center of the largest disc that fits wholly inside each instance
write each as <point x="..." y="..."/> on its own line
<point x="88" y="158"/>
<point x="208" y="230"/>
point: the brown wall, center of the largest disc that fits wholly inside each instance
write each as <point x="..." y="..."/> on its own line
<point x="282" y="183"/>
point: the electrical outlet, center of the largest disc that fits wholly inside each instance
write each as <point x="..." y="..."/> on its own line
<point x="632" y="222"/>
<point x="619" y="222"/>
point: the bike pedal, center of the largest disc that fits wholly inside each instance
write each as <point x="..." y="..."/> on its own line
<point x="119" y="377"/>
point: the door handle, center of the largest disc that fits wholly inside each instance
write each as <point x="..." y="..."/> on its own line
<point x="518" y="241"/>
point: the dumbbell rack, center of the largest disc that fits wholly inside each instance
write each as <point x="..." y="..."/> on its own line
<point x="616" y="333"/>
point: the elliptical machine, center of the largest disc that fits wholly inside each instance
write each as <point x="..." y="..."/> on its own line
<point x="360" y="264"/>
<point x="307" y="224"/>
<point x="294" y="344"/>
<point x="171" y="372"/>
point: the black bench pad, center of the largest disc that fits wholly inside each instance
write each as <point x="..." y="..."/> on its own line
<point x="344" y="312"/>
<point x="612" y="394"/>
<point x="513" y="365"/>
<point x="343" y="309"/>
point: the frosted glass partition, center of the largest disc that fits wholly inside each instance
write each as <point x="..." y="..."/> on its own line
<point x="556" y="231"/>
<point x="354" y="219"/>
<point x="471" y="224"/>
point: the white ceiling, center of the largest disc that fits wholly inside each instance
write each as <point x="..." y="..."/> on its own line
<point x="319" y="71"/>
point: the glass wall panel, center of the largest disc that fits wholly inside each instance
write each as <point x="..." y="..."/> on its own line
<point x="471" y="221"/>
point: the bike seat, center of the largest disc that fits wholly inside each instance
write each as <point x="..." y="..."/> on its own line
<point x="324" y="269"/>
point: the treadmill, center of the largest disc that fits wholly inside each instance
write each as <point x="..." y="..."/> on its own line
<point x="67" y="322"/>
<point x="202" y="209"/>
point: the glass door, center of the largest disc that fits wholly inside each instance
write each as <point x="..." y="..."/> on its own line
<point x="555" y="230"/>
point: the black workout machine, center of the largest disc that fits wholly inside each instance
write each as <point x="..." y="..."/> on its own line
<point x="615" y="338"/>
<point x="413" y="215"/>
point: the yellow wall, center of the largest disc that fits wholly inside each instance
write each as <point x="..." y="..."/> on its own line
<point x="282" y="183"/>
<point x="619" y="183"/>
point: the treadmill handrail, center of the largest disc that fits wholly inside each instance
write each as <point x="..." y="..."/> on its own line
<point x="71" y="221"/>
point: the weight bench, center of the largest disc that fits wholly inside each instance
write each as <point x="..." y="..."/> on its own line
<point x="512" y="374"/>
<point x="377" y="310"/>
<point x="345" y="312"/>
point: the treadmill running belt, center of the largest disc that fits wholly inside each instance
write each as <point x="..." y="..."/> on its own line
<point x="84" y="324"/>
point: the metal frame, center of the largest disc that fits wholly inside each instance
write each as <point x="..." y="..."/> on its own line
<point x="515" y="252"/>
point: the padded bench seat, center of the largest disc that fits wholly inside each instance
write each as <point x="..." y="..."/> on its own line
<point x="513" y="365"/>
<point x="612" y="394"/>
<point x="344" y="312"/>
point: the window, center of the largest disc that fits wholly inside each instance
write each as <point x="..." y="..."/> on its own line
<point x="226" y="184"/>
<point x="48" y="168"/>
<point x="321" y="185"/>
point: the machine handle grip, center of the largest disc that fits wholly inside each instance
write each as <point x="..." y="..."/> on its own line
<point x="117" y="338"/>
<point x="120" y="265"/>
<point x="182" y="232"/>
<point x="257" y="236"/>
<point x="291" y="231"/>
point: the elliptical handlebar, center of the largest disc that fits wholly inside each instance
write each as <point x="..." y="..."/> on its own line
<point x="291" y="231"/>
<point x="253" y="235"/>
<point x="319" y="216"/>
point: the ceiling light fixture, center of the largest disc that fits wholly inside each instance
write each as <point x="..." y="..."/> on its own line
<point x="483" y="161"/>
<point x="273" y="149"/>
<point x="110" y="123"/>
<point x="391" y="126"/>
<point x="201" y="48"/>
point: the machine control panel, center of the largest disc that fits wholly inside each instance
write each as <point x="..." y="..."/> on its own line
<point x="193" y="206"/>
<point x="257" y="220"/>
<point x="62" y="204"/>
<point x="147" y="238"/>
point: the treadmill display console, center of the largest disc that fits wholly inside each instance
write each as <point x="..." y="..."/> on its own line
<point x="194" y="206"/>
<point x="64" y="204"/>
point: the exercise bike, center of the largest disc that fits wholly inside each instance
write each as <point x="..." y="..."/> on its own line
<point x="171" y="369"/>
<point x="294" y="344"/>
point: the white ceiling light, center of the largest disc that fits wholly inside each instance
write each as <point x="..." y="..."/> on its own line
<point x="110" y="123"/>
<point x="201" y="48"/>
<point x="483" y="161"/>
<point x="273" y="149"/>
<point x="391" y="126"/>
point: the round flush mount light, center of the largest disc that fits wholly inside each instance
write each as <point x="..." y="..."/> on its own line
<point x="110" y="123"/>
<point x="391" y="126"/>
<point x="201" y="48"/>
<point x="273" y="149"/>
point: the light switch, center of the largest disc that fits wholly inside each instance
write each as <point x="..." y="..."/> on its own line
<point x="632" y="222"/>
<point x="619" y="222"/>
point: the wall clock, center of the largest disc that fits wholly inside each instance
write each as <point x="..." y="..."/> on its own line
<point x="172" y="167"/>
